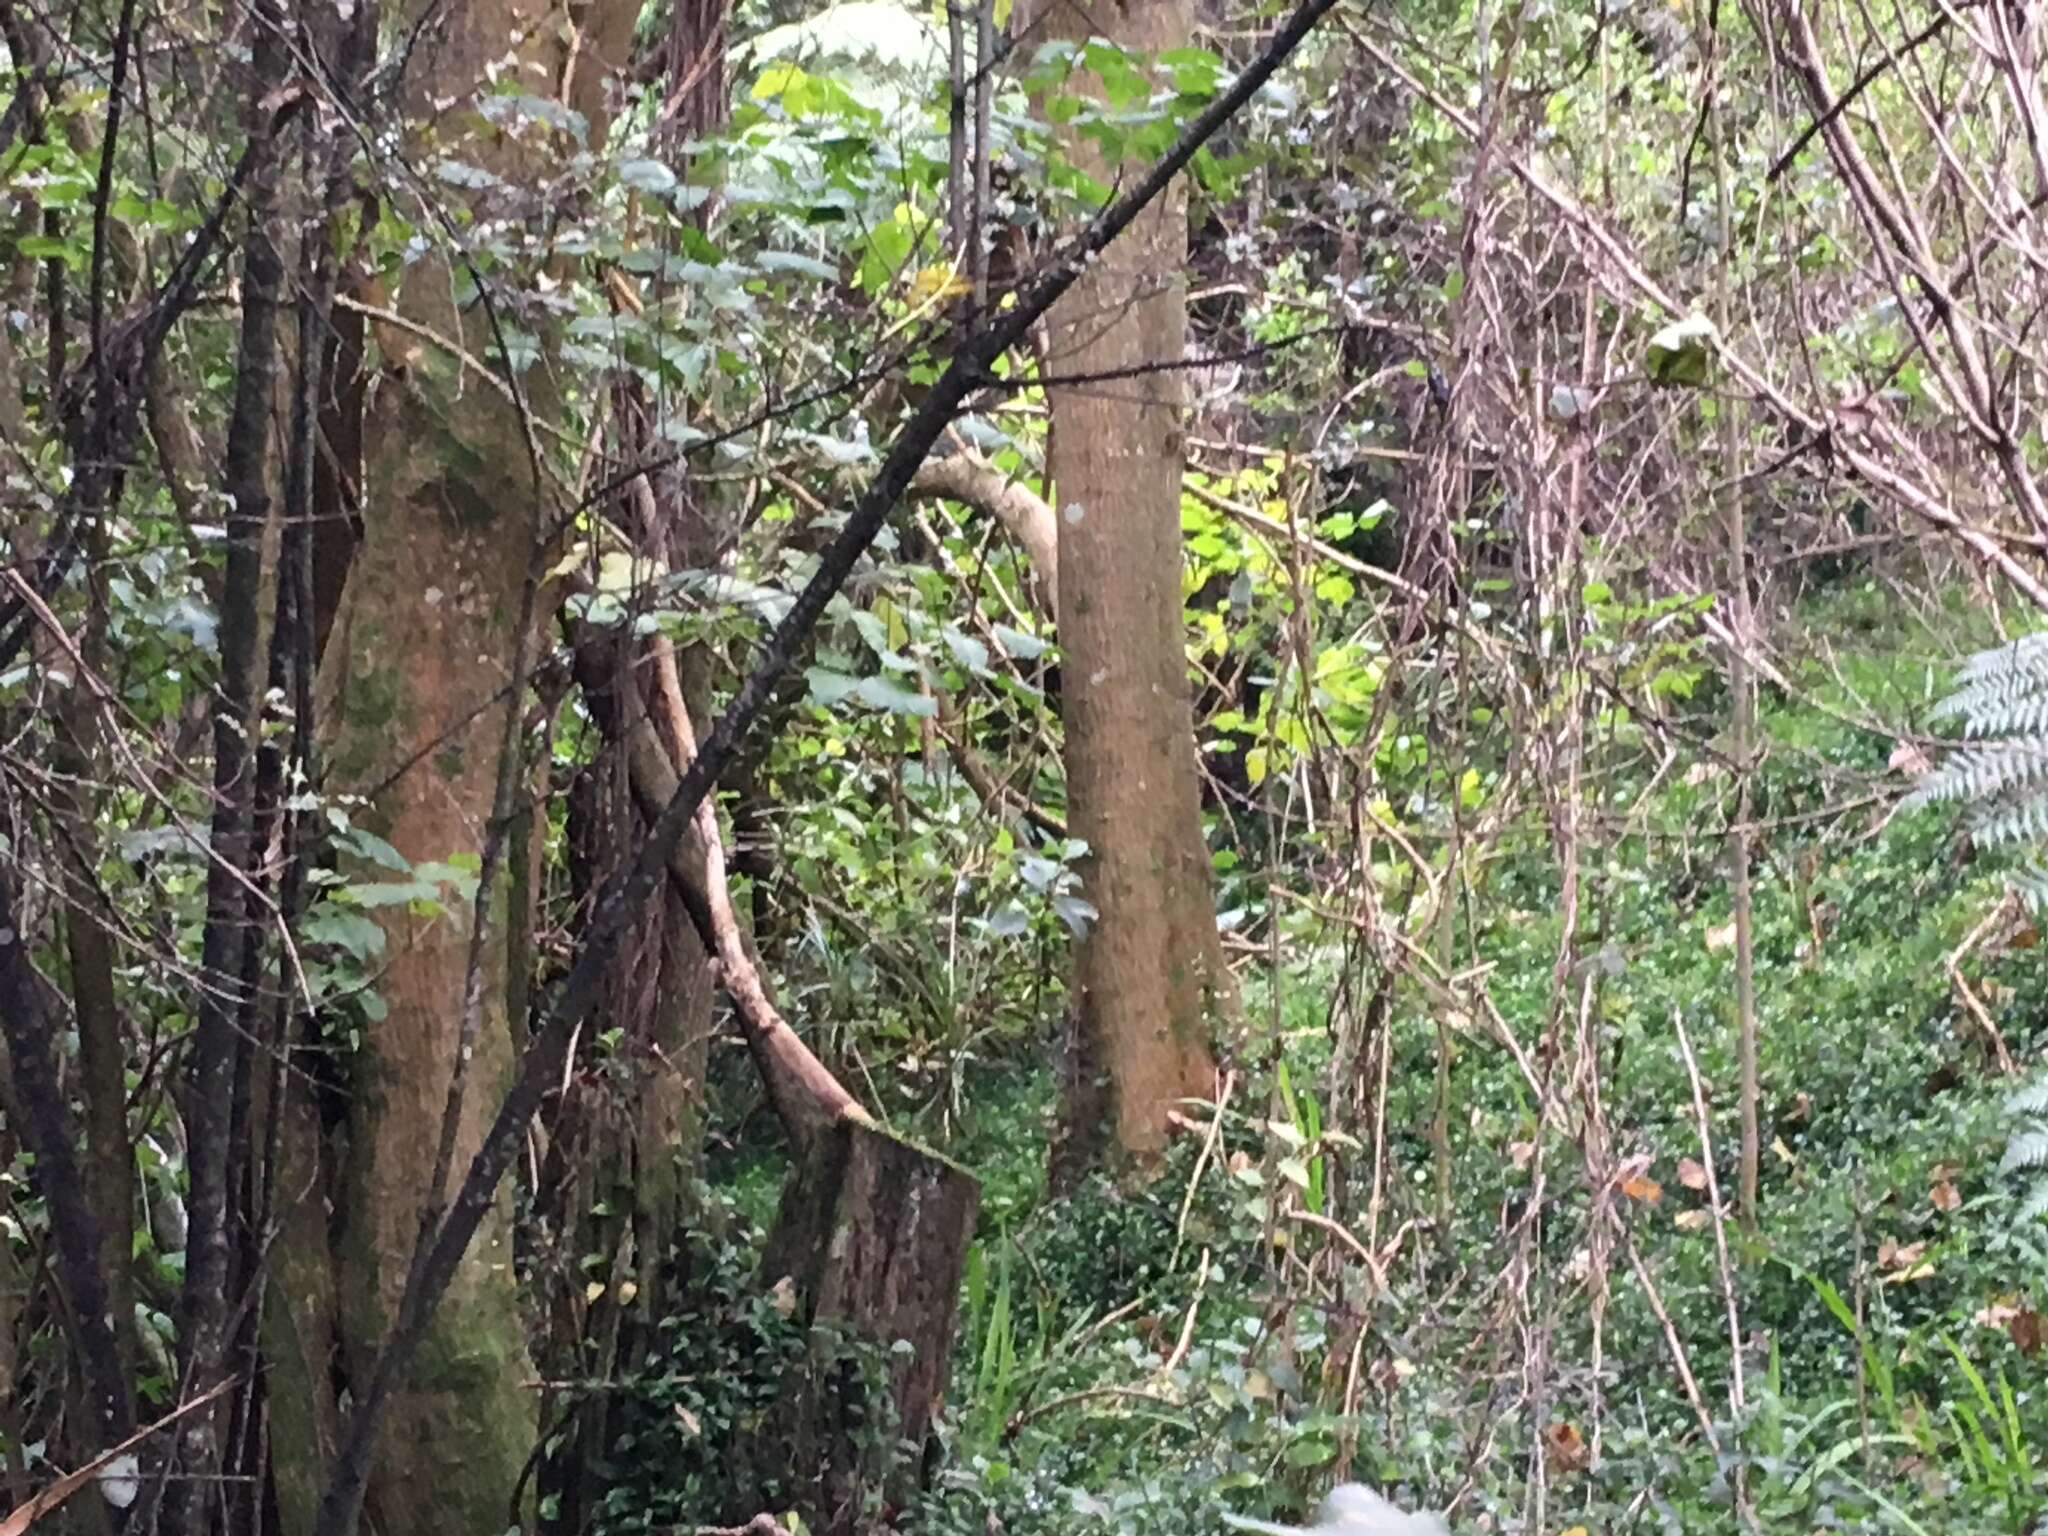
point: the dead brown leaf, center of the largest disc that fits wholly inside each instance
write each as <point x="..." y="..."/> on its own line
<point x="1893" y="1254"/>
<point x="2029" y="1331"/>
<point x="1565" y="1448"/>
<point x="1910" y="759"/>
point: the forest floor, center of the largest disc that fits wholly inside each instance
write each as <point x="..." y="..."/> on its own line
<point x="1547" y="1344"/>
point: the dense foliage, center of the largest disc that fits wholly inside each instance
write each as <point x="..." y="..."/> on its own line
<point x="1608" y="460"/>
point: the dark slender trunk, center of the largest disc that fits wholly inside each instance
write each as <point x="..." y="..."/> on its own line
<point x="225" y="957"/>
<point x="49" y="1133"/>
<point x="89" y="951"/>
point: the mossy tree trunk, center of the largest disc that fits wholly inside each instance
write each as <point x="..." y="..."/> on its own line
<point x="413" y="693"/>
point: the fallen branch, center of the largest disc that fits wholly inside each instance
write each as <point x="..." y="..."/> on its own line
<point x="805" y="1094"/>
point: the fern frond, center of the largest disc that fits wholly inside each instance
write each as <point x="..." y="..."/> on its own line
<point x="2032" y="885"/>
<point x="2023" y="820"/>
<point x="1993" y="681"/>
<point x="2029" y="1100"/>
<point x="2036" y="1203"/>
<point x="2011" y="771"/>
<point x="2029" y="1149"/>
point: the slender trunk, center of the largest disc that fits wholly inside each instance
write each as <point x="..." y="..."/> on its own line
<point x="1743" y="732"/>
<point x="47" y="1129"/>
<point x="224" y="958"/>
<point x="1149" y="972"/>
<point x="89" y="953"/>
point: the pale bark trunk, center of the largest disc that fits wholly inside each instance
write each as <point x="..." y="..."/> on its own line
<point x="1150" y="969"/>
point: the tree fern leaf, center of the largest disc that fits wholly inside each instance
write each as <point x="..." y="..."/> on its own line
<point x="2029" y="1149"/>
<point x="2036" y="1202"/>
<point x="2029" y="1100"/>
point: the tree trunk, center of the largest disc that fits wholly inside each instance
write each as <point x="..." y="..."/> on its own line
<point x="413" y="701"/>
<point x="1149" y="973"/>
<point x="872" y="1238"/>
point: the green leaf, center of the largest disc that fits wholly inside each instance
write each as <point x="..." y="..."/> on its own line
<point x="391" y="893"/>
<point x="369" y="846"/>
<point x="969" y="652"/>
<point x="1681" y="355"/>
<point x="649" y="176"/>
<point x="886" y="693"/>
<point x="828" y="687"/>
<point x="796" y="261"/>
<point x="47" y="248"/>
<point x="340" y="928"/>
<point x="1312" y="1452"/>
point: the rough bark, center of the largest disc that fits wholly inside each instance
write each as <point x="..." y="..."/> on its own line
<point x="406" y="672"/>
<point x="407" y="683"/>
<point x="1149" y="973"/>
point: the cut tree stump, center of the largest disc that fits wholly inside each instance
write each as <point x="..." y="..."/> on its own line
<point x="871" y="1238"/>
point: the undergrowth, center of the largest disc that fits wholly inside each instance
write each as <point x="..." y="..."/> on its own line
<point x="1131" y="1359"/>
